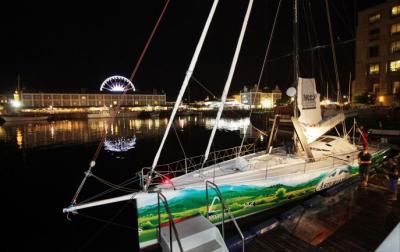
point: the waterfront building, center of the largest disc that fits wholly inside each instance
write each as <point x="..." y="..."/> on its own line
<point x="378" y="53"/>
<point x="44" y="100"/>
<point x="258" y="99"/>
<point x="3" y="99"/>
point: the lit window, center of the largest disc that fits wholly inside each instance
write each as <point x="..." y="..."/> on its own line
<point x="373" y="69"/>
<point x="395" y="28"/>
<point x="374" y="18"/>
<point x="395" y="66"/>
<point x="395" y="46"/>
<point x="396" y="87"/>
<point x="396" y="10"/>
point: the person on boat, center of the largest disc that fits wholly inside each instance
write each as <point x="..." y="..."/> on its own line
<point x="364" y="162"/>
<point x="393" y="172"/>
<point x="289" y="146"/>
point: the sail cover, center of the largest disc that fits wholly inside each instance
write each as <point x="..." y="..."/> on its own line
<point x="308" y="102"/>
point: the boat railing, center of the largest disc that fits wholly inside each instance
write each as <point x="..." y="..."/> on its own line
<point x="186" y="165"/>
<point x="224" y="208"/>
<point x="163" y="199"/>
<point x="338" y="159"/>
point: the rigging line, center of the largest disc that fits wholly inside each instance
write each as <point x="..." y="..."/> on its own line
<point x="108" y="191"/>
<point x="185" y="83"/>
<point x="229" y="79"/>
<point x="345" y="23"/>
<point x="314" y="31"/>
<point x="317" y="47"/>
<point x="322" y="64"/>
<point x="333" y="52"/>
<point x="107" y="221"/>
<point x="309" y="38"/>
<point x="257" y="129"/>
<point x="201" y="85"/>
<point x="179" y="141"/>
<point x="101" y="143"/>
<point x="105" y="226"/>
<point x="116" y="187"/>
<point x="148" y="41"/>
<point x="264" y="62"/>
<point x="309" y="14"/>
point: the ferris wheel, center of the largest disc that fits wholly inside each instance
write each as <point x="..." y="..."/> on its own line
<point x="117" y="83"/>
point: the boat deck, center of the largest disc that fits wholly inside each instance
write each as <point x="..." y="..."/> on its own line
<point x="257" y="167"/>
<point x="355" y="219"/>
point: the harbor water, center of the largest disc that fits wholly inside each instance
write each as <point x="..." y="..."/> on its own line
<point x="42" y="164"/>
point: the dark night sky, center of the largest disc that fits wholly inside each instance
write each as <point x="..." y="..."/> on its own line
<point x="66" y="46"/>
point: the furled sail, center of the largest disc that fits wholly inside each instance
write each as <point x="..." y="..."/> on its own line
<point x="308" y="102"/>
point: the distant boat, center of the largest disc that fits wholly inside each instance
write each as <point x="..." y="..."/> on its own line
<point x="155" y="115"/>
<point x="149" y="115"/>
<point x="23" y="118"/>
<point x="108" y="114"/>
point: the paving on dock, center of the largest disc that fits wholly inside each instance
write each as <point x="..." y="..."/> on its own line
<point x="353" y="219"/>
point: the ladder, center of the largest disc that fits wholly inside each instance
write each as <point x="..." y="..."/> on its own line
<point x="192" y="234"/>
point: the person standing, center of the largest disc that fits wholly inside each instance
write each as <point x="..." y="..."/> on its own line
<point x="364" y="163"/>
<point x="393" y="173"/>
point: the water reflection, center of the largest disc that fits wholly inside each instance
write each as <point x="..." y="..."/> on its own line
<point x="119" y="144"/>
<point x="122" y="132"/>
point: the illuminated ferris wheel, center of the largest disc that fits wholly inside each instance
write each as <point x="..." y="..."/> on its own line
<point x="117" y="84"/>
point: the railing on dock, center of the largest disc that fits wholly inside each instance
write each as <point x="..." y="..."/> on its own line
<point x="224" y="207"/>
<point x="161" y="197"/>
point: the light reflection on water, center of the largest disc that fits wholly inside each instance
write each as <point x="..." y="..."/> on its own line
<point x="35" y="134"/>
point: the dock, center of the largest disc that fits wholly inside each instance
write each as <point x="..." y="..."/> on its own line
<point x="352" y="219"/>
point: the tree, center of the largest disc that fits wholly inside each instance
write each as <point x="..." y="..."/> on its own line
<point x="365" y="98"/>
<point x="281" y="193"/>
<point x="285" y="100"/>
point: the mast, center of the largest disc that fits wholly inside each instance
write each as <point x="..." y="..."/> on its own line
<point x="348" y="98"/>
<point x="19" y="83"/>
<point x="338" y="94"/>
<point x="295" y="64"/>
<point x="183" y="89"/>
<point x="229" y="80"/>
<point x="327" y="90"/>
<point x="296" y="53"/>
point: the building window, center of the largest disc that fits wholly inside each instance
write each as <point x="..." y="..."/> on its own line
<point x="395" y="46"/>
<point x="374" y="51"/>
<point x="374" y="32"/>
<point x="395" y="66"/>
<point x="375" y="88"/>
<point x="396" y="87"/>
<point x="373" y="69"/>
<point x="374" y="18"/>
<point x="395" y="28"/>
<point x="395" y="10"/>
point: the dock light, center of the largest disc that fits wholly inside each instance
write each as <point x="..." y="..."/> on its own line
<point x="16" y="104"/>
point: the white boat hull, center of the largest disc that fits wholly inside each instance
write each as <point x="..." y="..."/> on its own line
<point x="24" y="118"/>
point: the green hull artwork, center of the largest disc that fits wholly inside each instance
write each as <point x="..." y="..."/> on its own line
<point x="243" y="200"/>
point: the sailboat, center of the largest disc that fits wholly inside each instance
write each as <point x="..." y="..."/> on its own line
<point x="245" y="181"/>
